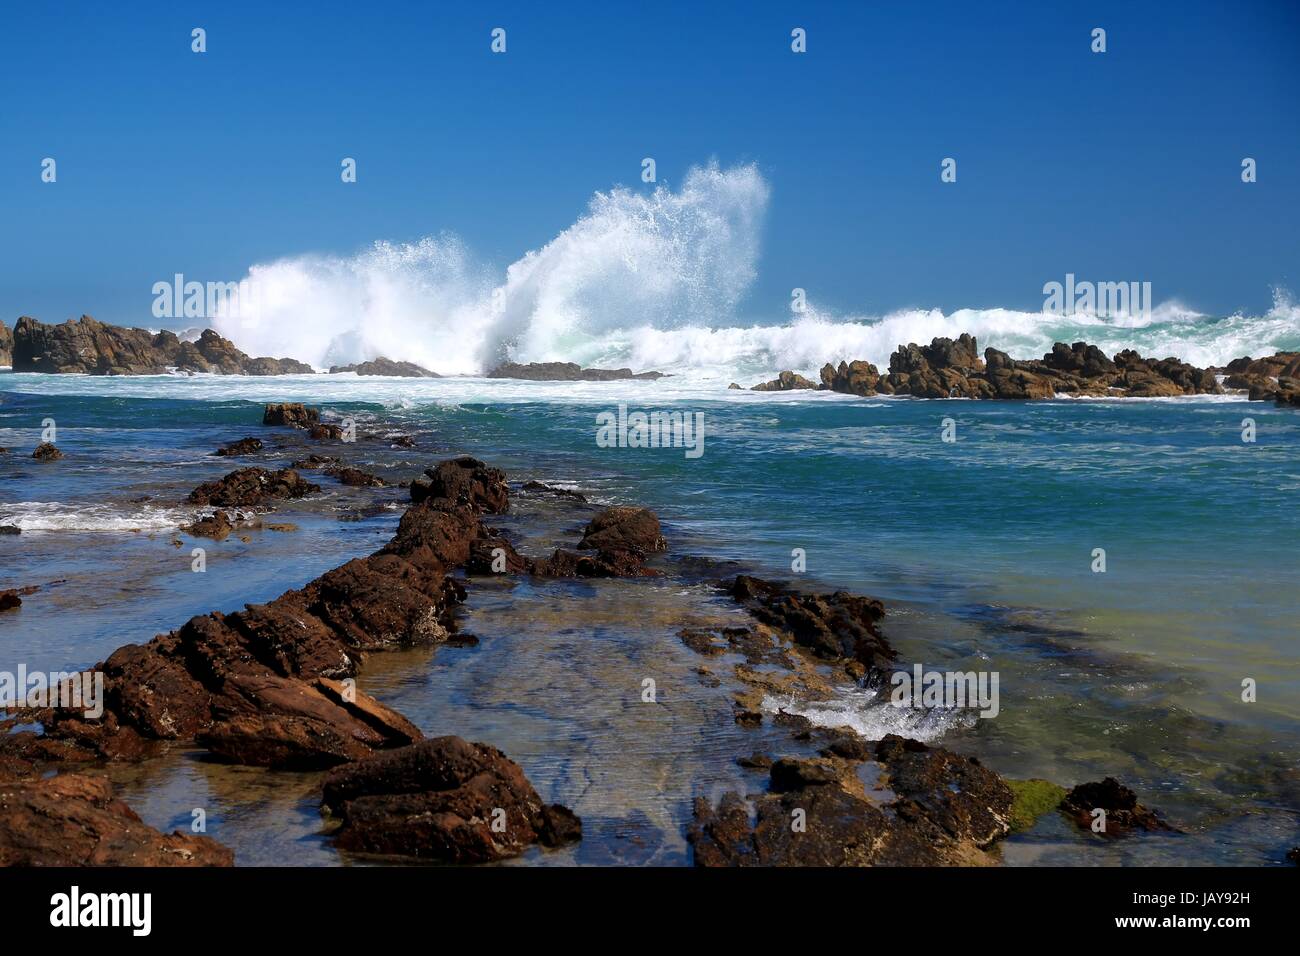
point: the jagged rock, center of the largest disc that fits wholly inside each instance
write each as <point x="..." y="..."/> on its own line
<point x="252" y="486"/>
<point x="851" y="378"/>
<point x="245" y="446"/>
<point x="784" y="382"/>
<point x="293" y="414"/>
<point x="383" y="366"/>
<point x="6" y="345"/>
<point x="74" y="820"/>
<point x="945" y="809"/>
<point x="1123" y="812"/>
<point x="47" y="452"/>
<point x="325" y="432"/>
<point x="567" y="372"/>
<point x="466" y="482"/>
<point x="438" y="800"/>
<point x="9" y="599"/>
<point x="832" y="626"/>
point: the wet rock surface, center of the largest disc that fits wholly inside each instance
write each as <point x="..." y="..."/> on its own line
<point x="245" y="446"/>
<point x="1123" y="813"/>
<point x="464" y="482"/>
<point x="443" y="799"/>
<point x="931" y="808"/>
<point x="74" y="820"/>
<point x="252" y="486"/>
<point x="292" y="414"/>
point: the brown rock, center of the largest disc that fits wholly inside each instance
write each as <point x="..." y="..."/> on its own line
<point x="252" y="486"/>
<point x="293" y="414"/>
<point x="1123" y="812"/>
<point x="47" y="452"/>
<point x="74" y="820"/>
<point x="464" y="482"/>
<point x="245" y="446"/>
<point x="438" y="800"/>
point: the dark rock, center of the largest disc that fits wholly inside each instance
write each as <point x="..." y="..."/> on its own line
<point x="325" y="432"/>
<point x="439" y="800"/>
<point x="624" y="529"/>
<point x="245" y="446"/>
<point x="216" y="525"/>
<point x="1123" y="812"/>
<point x="566" y="372"/>
<point x="293" y="414"/>
<point x="252" y="486"/>
<point x="540" y="488"/>
<point x="838" y="625"/>
<point x="9" y="600"/>
<point x="313" y="462"/>
<point x="6" y="345"/>
<point x="47" y="452"/>
<point x="356" y="478"/>
<point x="10" y="529"/>
<point x="464" y="482"/>
<point x="383" y="366"/>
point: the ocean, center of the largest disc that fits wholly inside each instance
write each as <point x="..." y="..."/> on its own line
<point x="984" y="550"/>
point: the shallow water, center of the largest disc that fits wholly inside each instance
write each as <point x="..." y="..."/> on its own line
<point x="982" y="550"/>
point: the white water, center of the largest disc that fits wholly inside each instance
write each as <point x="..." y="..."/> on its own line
<point x="654" y="281"/>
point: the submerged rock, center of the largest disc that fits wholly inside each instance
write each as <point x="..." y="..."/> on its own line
<point x="356" y="478"/>
<point x="245" y="446"/>
<point x="785" y="382"/>
<point x="443" y="799"/>
<point x="1123" y="812"/>
<point x="216" y="526"/>
<point x="47" y="452"/>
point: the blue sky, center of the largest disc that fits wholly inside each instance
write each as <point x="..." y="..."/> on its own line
<point x="1118" y="166"/>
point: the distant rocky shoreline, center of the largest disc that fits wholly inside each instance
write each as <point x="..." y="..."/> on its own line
<point x="946" y="368"/>
<point x="952" y="368"/>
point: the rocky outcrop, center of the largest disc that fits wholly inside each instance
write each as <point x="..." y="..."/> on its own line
<point x="464" y="482"/>
<point x="443" y="799"/>
<point x="833" y="626"/>
<point x="94" y="348"/>
<point x="785" y="382"/>
<point x="851" y="378"/>
<point x="6" y="345"/>
<point x="383" y="366"/>
<point x="953" y="368"/>
<point x="73" y="819"/>
<point x="245" y="446"/>
<point x="252" y="486"/>
<point x="932" y="807"/>
<point x="292" y="414"/>
<point x="1123" y="813"/>
<point x="622" y="538"/>
<point x="567" y="372"/>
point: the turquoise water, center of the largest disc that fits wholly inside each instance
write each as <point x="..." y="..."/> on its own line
<point x="982" y="549"/>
